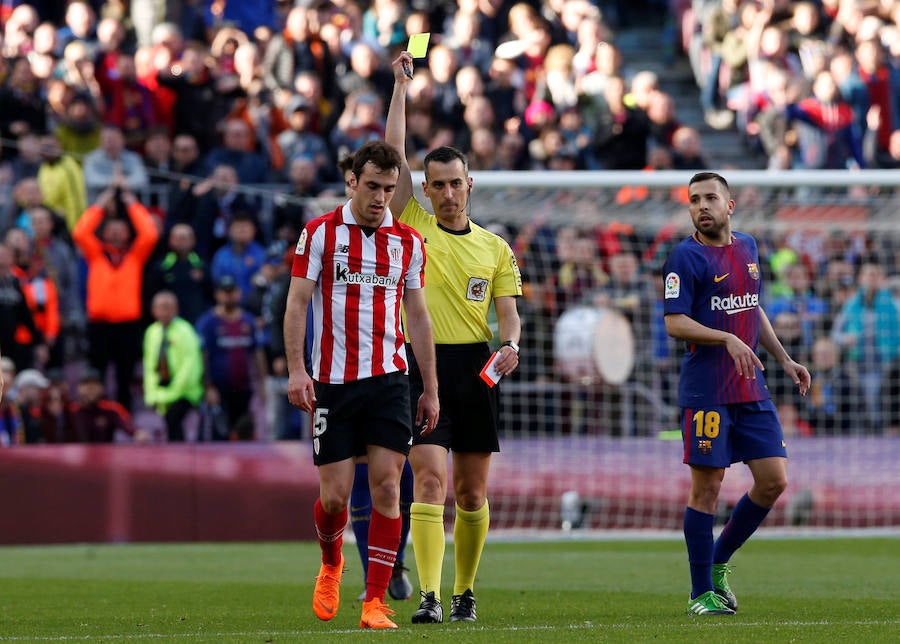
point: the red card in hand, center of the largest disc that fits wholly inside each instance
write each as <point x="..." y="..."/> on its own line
<point x="489" y="372"/>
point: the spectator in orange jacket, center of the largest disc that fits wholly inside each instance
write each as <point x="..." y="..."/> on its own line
<point x="41" y="294"/>
<point x="116" y="235"/>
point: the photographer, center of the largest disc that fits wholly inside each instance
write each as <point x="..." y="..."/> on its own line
<point x="116" y="235"/>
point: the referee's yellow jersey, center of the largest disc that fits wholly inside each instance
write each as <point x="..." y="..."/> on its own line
<point x="464" y="272"/>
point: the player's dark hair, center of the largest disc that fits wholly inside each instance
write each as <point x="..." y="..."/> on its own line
<point x="446" y="154"/>
<point x="707" y="176"/>
<point x="379" y="153"/>
<point x="346" y="163"/>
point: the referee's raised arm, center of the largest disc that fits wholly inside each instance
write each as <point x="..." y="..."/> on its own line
<point x="395" y="130"/>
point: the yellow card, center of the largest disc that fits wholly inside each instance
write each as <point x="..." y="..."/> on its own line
<point x="418" y="45"/>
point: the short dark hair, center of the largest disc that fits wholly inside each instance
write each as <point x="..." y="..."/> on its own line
<point x="446" y="154"/>
<point x="714" y="176"/>
<point x="379" y="153"/>
<point x="346" y="163"/>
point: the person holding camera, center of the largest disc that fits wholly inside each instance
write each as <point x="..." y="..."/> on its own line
<point x="116" y="236"/>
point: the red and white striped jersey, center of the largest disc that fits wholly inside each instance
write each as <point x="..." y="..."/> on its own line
<point x="360" y="280"/>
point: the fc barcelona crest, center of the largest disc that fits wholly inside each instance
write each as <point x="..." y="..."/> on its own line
<point x="753" y="269"/>
<point x="704" y="446"/>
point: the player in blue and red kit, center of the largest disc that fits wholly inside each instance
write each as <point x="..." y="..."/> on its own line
<point x="712" y="302"/>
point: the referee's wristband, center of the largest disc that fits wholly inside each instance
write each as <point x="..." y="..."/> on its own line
<point x="512" y="345"/>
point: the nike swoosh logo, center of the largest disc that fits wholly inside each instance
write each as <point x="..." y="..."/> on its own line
<point x="328" y="608"/>
<point x="718" y="279"/>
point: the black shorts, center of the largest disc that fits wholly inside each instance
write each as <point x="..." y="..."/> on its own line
<point x="350" y="416"/>
<point x="469" y="408"/>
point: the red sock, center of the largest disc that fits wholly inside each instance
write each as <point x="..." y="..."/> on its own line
<point x="384" y="539"/>
<point x="330" y="530"/>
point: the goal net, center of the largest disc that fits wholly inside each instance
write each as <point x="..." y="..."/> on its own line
<point x="590" y="434"/>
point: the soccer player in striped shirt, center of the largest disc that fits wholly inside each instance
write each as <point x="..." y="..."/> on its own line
<point x="712" y="302"/>
<point x="356" y="265"/>
<point x="469" y="269"/>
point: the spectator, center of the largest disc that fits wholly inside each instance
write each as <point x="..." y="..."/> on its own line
<point x="803" y="302"/>
<point x="198" y="106"/>
<point x="57" y="415"/>
<point x="115" y="259"/>
<point x="687" y="149"/>
<point x="129" y="105"/>
<point x="242" y="257"/>
<point x="719" y="21"/>
<point x="182" y="272"/>
<point x="15" y="313"/>
<point x="465" y="41"/>
<point x="55" y="256"/>
<point x="883" y="84"/>
<point x="21" y="104"/>
<point x="30" y="385"/>
<point x="27" y="162"/>
<point x="831" y="407"/>
<point x="208" y="208"/>
<point x="267" y="301"/>
<point x="78" y="129"/>
<point x="362" y="120"/>
<point x="234" y="362"/>
<point x="298" y="48"/>
<point x="299" y="139"/>
<point x="663" y="122"/>
<point x="621" y="132"/>
<point x="111" y="159"/>
<point x="99" y="419"/>
<point x="186" y="155"/>
<point x="236" y="150"/>
<point x="18" y="31"/>
<point x="10" y="417"/>
<point x="383" y="23"/>
<point x="62" y="181"/>
<point x="580" y="271"/>
<point x="291" y="211"/>
<point x="827" y="135"/>
<point x="787" y="325"/>
<point x="632" y="294"/>
<point x="172" y="365"/>
<point x="43" y="54"/>
<point x="80" y="25"/>
<point x="41" y="296"/>
<point x="868" y="332"/>
<point x="366" y="73"/>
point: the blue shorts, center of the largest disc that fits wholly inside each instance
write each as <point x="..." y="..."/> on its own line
<point x="726" y="434"/>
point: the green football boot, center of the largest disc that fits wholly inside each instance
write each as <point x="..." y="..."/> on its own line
<point x="709" y="603"/>
<point x="720" y="574"/>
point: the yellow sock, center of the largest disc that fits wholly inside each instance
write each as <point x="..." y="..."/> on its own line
<point x="469" y="532"/>
<point x="426" y="526"/>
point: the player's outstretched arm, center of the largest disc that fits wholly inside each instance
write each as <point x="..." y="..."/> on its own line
<point x="395" y="129"/>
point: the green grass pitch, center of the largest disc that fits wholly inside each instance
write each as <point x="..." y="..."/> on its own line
<point x="790" y="590"/>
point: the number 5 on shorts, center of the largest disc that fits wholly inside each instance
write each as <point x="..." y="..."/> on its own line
<point x="320" y="421"/>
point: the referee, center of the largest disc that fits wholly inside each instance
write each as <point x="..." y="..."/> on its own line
<point x="468" y="269"/>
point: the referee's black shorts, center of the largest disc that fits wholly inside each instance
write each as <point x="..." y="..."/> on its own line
<point x="469" y="408"/>
<point x="350" y="416"/>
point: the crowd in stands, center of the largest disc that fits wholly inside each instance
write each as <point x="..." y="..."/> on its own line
<point x="139" y="138"/>
<point x="812" y="85"/>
